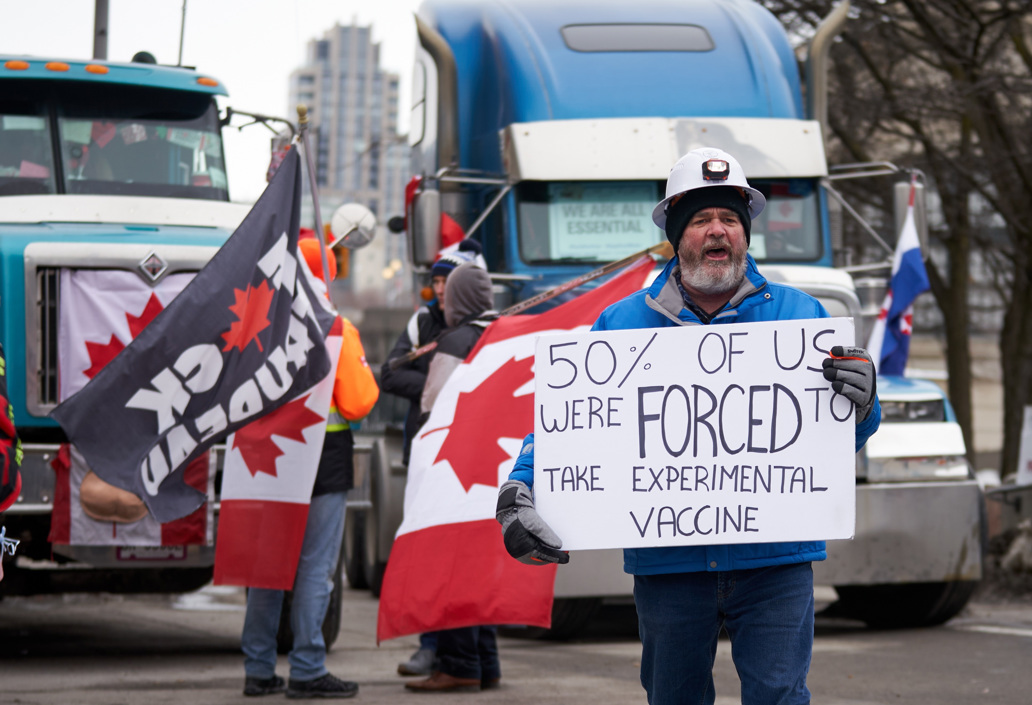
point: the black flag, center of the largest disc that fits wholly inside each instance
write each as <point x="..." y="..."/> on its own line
<point x="244" y="337"/>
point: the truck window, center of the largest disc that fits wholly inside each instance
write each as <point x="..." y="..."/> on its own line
<point x="26" y="164"/>
<point x="788" y="228"/>
<point x="141" y="157"/>
<point x="637" y="37"/>
<point x="586" y="221"/>
<point x="113" y="140"/>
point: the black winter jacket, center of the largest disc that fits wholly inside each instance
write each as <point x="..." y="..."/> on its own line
<point x="407" y="381"/>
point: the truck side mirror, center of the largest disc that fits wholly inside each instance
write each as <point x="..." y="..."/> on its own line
<point x="353" y="226"/>
<point x="425" y="227"/>
<point x="901" y="199"/>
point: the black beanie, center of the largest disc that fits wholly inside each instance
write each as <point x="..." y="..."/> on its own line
<point x="707" y="197"/>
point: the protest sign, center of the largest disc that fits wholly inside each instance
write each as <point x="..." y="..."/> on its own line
<point x="693" y="435"/>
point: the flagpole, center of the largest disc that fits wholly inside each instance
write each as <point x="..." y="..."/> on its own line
<point x="302" y="119"/>
<point x="663" y="249"/>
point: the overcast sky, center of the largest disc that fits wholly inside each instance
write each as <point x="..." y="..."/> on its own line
<point x="249" y="45"/>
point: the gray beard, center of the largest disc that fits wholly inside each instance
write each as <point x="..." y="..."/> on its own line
<point x="712" y="278"/>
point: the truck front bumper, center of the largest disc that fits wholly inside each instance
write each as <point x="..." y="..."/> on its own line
<point x="917" y="532"/>
<point x="35" y="504"/>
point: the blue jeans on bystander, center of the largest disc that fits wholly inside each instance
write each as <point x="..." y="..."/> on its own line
<point x="312" y="588"/>
<point x="767" y="613"/>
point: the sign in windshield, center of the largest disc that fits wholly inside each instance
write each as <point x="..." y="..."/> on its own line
<point x="587" y="221"/>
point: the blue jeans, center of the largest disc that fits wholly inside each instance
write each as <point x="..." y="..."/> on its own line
<point x="312" y="587"/>
<point x="767" y="613"/>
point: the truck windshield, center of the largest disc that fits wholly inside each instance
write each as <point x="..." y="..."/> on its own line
<point x="26" y="162"/>
<point x="602" y="221"/>
<point x="113" y="140"/>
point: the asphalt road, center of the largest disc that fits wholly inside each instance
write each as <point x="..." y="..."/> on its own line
<point x="148" y="650"/>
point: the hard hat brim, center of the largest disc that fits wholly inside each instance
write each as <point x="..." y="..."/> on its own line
<point x="757" y="202"/>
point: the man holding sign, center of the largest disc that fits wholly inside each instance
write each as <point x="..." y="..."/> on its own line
<point x="760" y="593"/>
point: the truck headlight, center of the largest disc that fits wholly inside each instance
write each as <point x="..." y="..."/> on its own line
<point x="916" y="450"/>
<point x="918" y="469"/>
<point x="911" y="411"/>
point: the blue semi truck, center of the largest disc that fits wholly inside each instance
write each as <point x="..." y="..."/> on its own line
<point x="116" y="170"/>
<point x="547" y="129"/>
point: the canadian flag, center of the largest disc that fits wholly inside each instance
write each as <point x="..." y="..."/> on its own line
<point x="101" y="312"/>
<point x="267" y="483"/>
<point x="448" y="567"/>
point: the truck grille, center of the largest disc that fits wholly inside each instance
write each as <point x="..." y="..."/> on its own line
<point x="44" y="263"/>
<point x="47" y="279"/>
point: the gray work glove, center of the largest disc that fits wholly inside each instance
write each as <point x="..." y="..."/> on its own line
<point x="851" y="373"/>
<point x="528" y="538"/>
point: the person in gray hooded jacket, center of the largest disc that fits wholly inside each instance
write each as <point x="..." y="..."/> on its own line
<point x="467" y="312"/>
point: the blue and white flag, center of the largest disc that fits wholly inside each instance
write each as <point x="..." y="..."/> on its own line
<point x="889" y="343"/>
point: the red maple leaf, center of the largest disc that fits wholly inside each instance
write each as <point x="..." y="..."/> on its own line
<point x="254" y="441"/>
<point x="252" y="310"/>
<point x="486" y="414"/>
<point x="150" y="312"/>
<point x="101" y="354"/>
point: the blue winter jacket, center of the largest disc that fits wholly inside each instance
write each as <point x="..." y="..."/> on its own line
<point x="661" y="306"/>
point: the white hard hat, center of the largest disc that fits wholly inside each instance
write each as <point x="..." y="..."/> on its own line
<point x="704" y="168"/>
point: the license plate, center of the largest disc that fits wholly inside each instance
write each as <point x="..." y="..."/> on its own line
<point x="151" y="553"/>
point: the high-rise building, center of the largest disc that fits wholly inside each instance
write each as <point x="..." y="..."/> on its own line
<point x="359" y="155"/>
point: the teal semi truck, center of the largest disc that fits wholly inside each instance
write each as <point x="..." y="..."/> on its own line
<point x="547" y="129"/>
<point x="116" y="169"/>
<point x="112" y="181"/>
